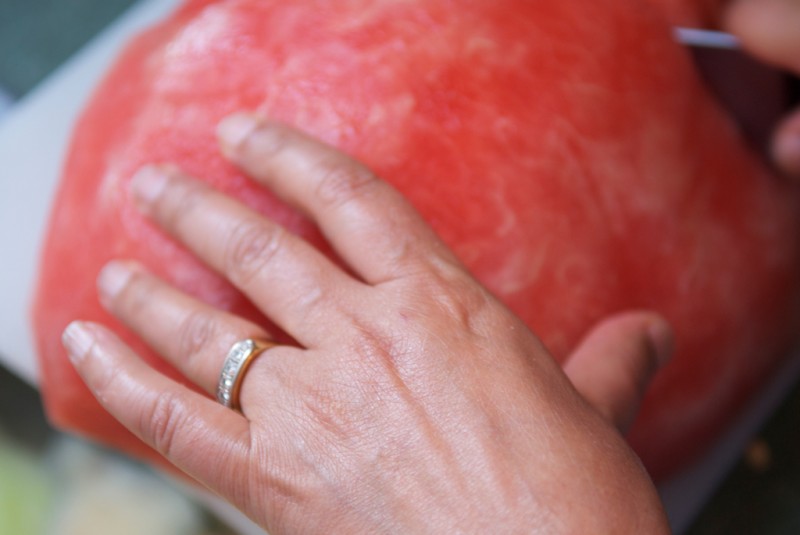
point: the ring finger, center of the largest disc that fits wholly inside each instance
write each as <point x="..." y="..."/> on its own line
<point x="192" y="336"/>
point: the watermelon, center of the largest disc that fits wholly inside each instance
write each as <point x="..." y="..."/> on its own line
<point x="566" y="151"/>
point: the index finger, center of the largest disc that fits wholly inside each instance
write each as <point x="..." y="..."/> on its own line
<point x="369" y="223"/>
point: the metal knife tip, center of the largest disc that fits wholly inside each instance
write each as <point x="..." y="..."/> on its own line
<point x="706" y="38"/>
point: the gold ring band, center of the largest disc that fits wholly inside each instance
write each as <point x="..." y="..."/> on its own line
<point x="241" y="354"/>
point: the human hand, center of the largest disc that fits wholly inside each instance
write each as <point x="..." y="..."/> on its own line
<point x="414" y="401"/>
<point x="770" y="30"/>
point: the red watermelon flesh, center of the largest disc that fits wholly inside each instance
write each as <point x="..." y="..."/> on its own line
<point x="565" y="150"/>
<point x="692" y="13"/>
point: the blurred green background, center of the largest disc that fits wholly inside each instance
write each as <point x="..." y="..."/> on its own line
<point x="36" y="36"/>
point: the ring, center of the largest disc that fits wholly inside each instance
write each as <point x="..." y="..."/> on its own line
<point x="241" y="354"/>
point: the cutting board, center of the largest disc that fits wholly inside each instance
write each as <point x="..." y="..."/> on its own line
<point x="33" y="141"/>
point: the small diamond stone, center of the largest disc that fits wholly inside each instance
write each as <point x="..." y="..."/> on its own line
<point x="232" y="368"/>
<point x="239" y="351"/>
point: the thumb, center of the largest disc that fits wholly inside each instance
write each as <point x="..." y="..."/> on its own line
<point x="614" y="364"/>
<point x="767" y="29"/>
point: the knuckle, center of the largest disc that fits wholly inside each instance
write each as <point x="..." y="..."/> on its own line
<point x="440" y="283"/>
<point x="162" y="422"/>
<point x="312" y="298"/>
<point x="340" y="182"/>
<point x="462" y="307"/>
<point x="377" y="355"/>
<point x="252" y="245"/>
<point x="449" y="271"/>
<point x="451" y="294"/>
<point x="327" y="410"/>
<point x="196" y="332"/>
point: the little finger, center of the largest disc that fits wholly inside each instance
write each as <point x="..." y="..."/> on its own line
<point x="185" y="427"/>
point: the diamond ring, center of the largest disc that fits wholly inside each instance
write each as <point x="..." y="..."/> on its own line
<point x="241" y="354"/>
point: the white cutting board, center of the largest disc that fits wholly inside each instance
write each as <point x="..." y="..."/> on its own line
<point x="33" y="140"/>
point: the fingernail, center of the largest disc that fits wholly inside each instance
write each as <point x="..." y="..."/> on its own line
<point x="787" y="153"/>
<point x="77" y="340"/>
<point x="148" y="183"/>
<point x="662" y="340"/>
<point x="112" y="279"/>
<point x="233" y="130"/>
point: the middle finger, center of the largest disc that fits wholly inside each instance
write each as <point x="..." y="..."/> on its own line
<point x="289" y="280"/>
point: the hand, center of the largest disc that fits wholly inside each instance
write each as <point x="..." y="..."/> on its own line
<point x="414" y="401"/>
<point x="770" y="30"/>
